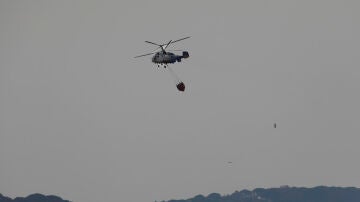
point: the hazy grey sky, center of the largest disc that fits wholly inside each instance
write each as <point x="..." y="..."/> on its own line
<point x="82" y="119"/>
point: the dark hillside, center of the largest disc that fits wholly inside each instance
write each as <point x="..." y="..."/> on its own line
<point x="33" y="198"/>
<point x="284" y="194"/>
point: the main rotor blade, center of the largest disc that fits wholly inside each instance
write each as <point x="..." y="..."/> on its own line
<point x="180" y="39"/>
<point x="171" y="42"/>
<point x="162" y="47"/>
<point x="175" y="50"/>
<point x="144" y="55"/>
<point x="152" y="43"/>
<point x="167" y="45"/>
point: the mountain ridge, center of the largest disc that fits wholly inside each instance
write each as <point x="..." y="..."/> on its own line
<point x="283" y="194"/>
<point x="280" y="194"/>
<point x="33" y="198"/>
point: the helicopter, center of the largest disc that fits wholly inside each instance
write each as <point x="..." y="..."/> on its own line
<point x="164" y="58"/>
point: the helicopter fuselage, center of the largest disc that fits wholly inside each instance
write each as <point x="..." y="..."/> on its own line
<point x="162" y="57"/>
